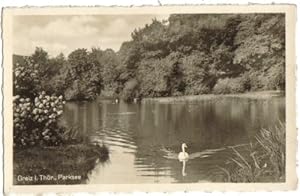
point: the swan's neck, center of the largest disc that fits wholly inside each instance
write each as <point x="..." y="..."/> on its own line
<point x="183" y="149"/>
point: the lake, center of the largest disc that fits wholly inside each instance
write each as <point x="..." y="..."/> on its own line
<point x="144" y="139"/>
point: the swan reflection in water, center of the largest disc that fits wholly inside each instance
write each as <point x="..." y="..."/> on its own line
<point x="183" y="157"/>
<point x="183" y="168"/>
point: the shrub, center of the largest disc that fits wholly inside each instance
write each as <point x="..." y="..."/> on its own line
<point x="196" y="89"/>
<point x="36" y="121"/>
<point x="275" y="78"/>
<point x="35" y="114"/>
<point x="229" y="85"/>
<point x="256" y="81"/>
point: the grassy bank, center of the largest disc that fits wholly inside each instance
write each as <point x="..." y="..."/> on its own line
<point x="68" y="164"/>
<point x="248" y="95"/>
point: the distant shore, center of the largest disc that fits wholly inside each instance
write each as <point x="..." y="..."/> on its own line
<point x="248" y="95"/>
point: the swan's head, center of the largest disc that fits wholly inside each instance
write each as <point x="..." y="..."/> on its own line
<point x="184" y="145"/>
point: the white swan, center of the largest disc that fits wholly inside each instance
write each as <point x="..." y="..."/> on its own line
<point x="169" y="154"/>
<point x="183" y="156"/>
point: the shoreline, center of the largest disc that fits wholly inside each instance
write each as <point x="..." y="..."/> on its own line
<point x="38" y="165"/>
<point x="257" y="95"/>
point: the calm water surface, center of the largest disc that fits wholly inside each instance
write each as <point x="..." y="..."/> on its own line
<point x="144" y="139"/>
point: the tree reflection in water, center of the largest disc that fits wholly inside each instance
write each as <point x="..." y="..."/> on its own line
<point x="140" y="136"/>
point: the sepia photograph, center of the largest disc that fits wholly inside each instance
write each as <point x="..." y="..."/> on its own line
<point x="150" y="98"/>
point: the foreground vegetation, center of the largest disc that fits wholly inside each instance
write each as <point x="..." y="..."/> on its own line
<point x="44" y="151"/>
<point x="262" y="161"/>
<point x="69" y="164"/>
<point x="189" y="54"/>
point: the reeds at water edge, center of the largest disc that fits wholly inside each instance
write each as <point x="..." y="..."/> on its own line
<point x="262" y="161"/>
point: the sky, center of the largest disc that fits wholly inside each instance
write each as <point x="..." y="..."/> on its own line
<point x="63" y="34"/>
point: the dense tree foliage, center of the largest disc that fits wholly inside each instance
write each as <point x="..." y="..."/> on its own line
<point x="84" y="79"/>
<point x="189" y="54"/>
<point x="197" y="54"/>
<point x="35" y="113"/>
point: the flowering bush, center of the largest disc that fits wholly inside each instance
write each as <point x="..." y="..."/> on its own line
<point x="35" y="114"/>
<point x="35" y="122"/>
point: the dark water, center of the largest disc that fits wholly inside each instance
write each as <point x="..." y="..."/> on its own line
<point x="144" y="139"/>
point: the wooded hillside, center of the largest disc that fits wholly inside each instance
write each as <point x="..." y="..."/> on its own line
<point x="189" y="54"/>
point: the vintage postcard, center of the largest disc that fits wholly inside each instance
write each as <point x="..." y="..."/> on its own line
<point x="177" y="98"/>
